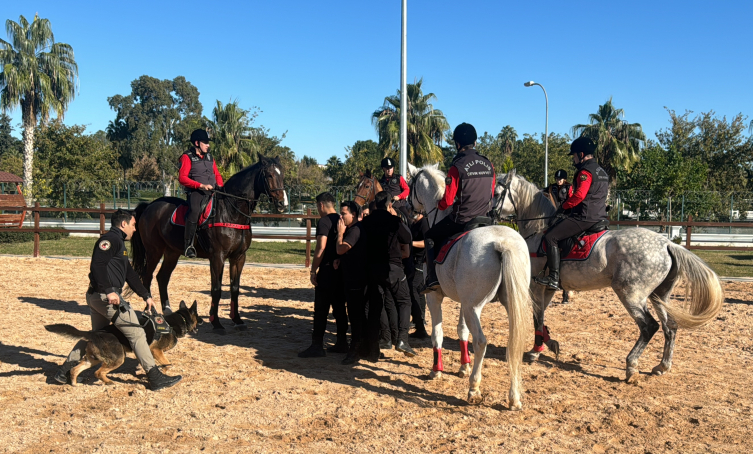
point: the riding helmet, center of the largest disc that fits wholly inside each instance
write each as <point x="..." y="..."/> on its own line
<point x="582" y="145"/>
<point x="464" y="134"/>
<point x="199" y="135"/>
<point x="560" y="175"/>
<point x="388" y="163"/>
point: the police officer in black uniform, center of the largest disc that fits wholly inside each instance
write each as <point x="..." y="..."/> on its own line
<point x="469" y="191"/>
<point x="109" y="271"/>
<point x="560" y="190"/>
<point x="587" y="206"/>
<point x="396" y="187"/>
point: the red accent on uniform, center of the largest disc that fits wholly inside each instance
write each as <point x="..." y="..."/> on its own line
<point x="438" y="366"/>
<point x="406" y="189"/>
<point x="185" y="168"/>
<point x="451" y="190"/>
<point x="580" y="194"/>
<point x="465" y="357"/>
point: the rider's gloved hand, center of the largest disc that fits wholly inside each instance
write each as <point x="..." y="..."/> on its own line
<point x="560" y="212"/>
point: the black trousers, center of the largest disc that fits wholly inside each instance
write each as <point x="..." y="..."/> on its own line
<point x="396" y="285"/>
<point x="357" y="299"/>
<point x="194" y="205"/>
<point x="388" y="321"/>
<point x="565" y="229"/>
<point x="443" y="230"/>
<point x="329" y="293"/>
<point x="418" y="301"/>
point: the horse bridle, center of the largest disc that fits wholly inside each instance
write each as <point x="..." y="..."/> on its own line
<point x="368" y="194"/>
<point x="413" y="195"/>
<point x="264" y="174"/>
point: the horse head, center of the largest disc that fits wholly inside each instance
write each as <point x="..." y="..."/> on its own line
<point x="271" y="182"/>
<point x="427" y="186"/>
<point x="505" y="195"/>
<point x="367" y="188"/>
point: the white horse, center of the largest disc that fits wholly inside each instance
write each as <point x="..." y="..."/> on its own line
<point x="486" y="263"/>
<point x="637" y="263"/>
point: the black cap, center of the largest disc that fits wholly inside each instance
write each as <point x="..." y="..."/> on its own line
<point x="464" y="134"/>
<point x="560" y="175"/>
<point x="582" y="145"/>
<point x="199" y="135"/>
<point x="388" y="163"/>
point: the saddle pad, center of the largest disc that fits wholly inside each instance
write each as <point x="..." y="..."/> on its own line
<point x="578" y="252"/>
<point x="445" y="250"/>
<point x="179" y="215"/>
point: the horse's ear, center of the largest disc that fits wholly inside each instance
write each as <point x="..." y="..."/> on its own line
<point x="262" y="158"/>
<point x="368" y="173"/>
<point x="411" y="170"/>
<point x="435" y="166"/>
<point x="183" y="305"/>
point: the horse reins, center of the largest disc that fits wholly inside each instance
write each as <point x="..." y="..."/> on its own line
<point x="267" y="188"/>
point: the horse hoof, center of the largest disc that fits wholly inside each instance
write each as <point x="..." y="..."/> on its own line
<point x="554" y="347"/>
<point x="632" y="376"/>
<point x="465" y="370"/>
<point x="660" y="370"/>
<point x="475" y="397"/>
<point x="530" y="357"/>
<point x="435" y="375"/>
<point x="516" y="406"/>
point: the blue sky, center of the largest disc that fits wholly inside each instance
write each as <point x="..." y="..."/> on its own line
<point x="319" y="69"/>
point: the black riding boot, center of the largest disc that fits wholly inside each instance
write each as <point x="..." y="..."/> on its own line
<point x="190" y="252"/>
<point x="553" y="263"/>
<point x="431" y="282"/>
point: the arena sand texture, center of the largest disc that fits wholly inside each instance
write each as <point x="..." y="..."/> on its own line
<point x="249" y="392"/>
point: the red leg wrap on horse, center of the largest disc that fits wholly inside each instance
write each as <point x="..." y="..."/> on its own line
<point x="465" y="357"/>
<point x="539" y="348"/>
<point x="438" y="366"/>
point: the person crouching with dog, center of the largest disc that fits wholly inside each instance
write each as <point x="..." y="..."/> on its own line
<point x="109" y="271"/>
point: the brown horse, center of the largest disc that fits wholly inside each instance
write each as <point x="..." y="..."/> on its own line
<point x="366" y="189"/>
<point x="157" y="238"/>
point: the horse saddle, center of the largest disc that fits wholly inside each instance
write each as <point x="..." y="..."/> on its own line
<point x="207" y="212"/>
<point x="475" y="223"/>
<point x="577" y="247"/>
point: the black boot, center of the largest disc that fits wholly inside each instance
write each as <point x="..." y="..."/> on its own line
<point x="431" y="282"/>
<point x="352" y="357"/>
<point x="190" y="232"/>
<point x="316" y="350"/>
<point x="158" y="380"/>
<point x="341" y="346"/>
<point x="420" y="332"/>
<point x="553" y="263"/>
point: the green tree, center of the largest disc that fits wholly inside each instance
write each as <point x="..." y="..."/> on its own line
<point x="363" y="156"/>
<point x="231" y="130"/>
<point x="617" y="142"/>
<point x="529" y="157"/>
<point x="9" y="145"/>
<point x="267" y="145"/>
<point x="39" y="75"/>
<point x="508" y="137"/>
<point x="425" y="129"/>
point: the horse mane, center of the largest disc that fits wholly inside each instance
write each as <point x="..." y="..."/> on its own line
<point x="236" y="184"/>
<point x="436" y="180"/>
<point x="533" y="203"/>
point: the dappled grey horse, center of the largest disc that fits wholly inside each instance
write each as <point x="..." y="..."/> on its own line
<point x="487" y="263"/>
<point x="637" y="263"/>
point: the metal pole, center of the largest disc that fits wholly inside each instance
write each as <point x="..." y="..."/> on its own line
<point x="65" y="202"/>
<point x="404" y="92"/>
<point x="731" y="202"/>
<point x="113" y="198"/>
<point x="546" y="140"/>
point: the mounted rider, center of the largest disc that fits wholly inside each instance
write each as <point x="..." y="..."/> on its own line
<point x="396" y="187"/>
<point x="469" y="191"/>
<point x="560" y="190"/>
<point x="587" y="206"/>
<point x="198" y="174"/>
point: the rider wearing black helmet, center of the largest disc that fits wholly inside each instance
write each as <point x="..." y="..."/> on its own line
<point x="198" y="174"/>
<point x="396" y="187"/>
<point x="587" y="206"/>
<point x="560" y="190"/>
<point x="469" y="191"/>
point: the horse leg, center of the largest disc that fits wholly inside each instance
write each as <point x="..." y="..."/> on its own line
<point x="473" y="315"/>
<point x="163" y="278"/>
<point x="216" y="266"/>
<point x="152" y="260"/>
<point x="434" y="301"/>
<point x="236" y="268"/>
<point x="465" y="357"/>
<point x="541" y="297"/>
<point x="637" y="308"/>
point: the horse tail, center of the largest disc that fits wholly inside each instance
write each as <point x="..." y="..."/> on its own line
<point x="68" y="331"/>
<point x="138" y="251"/>
<point x="702" y="285"/>
<point x="515" y="290"/>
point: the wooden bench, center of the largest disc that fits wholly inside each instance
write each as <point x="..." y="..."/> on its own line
<point x="14" y="218"/>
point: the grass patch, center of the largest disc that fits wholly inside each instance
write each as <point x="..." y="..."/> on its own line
<point x="729" y="263"/>
<point x="259" y="252"/>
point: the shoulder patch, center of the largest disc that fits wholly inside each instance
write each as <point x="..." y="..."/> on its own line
<point x="448" y="181"/>
<point x="104" y="245"/>
<point x="583" y="177"/>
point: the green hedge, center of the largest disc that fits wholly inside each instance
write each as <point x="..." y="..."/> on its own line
<point x="25" y="237"/>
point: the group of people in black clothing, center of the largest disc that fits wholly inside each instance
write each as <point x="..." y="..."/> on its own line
<point x="367" y="269"/>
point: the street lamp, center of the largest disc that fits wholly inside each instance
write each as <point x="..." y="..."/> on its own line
<point x="531" y="83"/>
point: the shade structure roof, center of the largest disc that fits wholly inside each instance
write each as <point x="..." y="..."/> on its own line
<point x="6" y="177"/>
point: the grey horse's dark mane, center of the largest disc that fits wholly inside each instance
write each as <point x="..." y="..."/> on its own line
<point x="533" y="203"/>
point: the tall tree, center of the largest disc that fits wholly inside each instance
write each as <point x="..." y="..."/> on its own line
<point x="9" y="145"/>
<point x="426" y="126"/>
<point x="39" y="75"/>
<point x="231" y="131"/>
<point x="617" y="142"/>
<point x="507" y="137"/>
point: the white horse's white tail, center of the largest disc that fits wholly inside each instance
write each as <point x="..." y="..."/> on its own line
<point x="703" y="290"/>
<point x="515" y="290"/>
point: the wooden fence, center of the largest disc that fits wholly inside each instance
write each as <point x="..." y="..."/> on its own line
<point x="689" y="231"/>
<point x="102" y="212"/>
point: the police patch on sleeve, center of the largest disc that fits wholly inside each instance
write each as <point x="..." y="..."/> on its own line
<point x="448" y="181"/>
<point x="104" y="245"/>
<point x="583" y="177"/>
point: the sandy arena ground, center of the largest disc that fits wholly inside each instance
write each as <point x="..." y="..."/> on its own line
<point x="249" y="392"/>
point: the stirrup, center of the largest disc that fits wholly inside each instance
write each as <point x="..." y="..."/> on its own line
<point x="426" y="289"/>
<point x="190" y="252"/>
<point x="548" y="282"/>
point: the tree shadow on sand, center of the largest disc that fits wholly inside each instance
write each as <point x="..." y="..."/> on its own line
<point x="72" y="307"/>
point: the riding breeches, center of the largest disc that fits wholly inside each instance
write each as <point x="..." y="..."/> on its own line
<point x="566" y="228"/>
<point x="443" y="230"/>
<point x="194" y="205"/>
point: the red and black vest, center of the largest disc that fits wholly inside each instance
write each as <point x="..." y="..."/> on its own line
<point x="594" y="205"/>
<point x="202" y="169"/>
<point x="474" y="196"/>
<point x="391" y="184"/>
<point x="559" y="193"/>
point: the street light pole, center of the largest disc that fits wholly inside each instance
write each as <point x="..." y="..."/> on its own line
<point x="404" y="92"/>
<point x="546" y="132"/>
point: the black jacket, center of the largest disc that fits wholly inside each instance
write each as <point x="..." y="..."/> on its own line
<point x="110" y="268"/>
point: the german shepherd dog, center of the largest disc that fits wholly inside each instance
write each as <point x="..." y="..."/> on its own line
<point x="109" y="346"/>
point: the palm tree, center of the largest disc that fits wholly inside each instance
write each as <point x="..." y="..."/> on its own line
<point x="426" y="126"/>
<point x="507" y="137"/>
<point x="38" y="75"/>
<point x="231" y="131"/>
<point x="617" y="142"/>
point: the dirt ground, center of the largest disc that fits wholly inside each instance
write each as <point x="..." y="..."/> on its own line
<point x="249" y="392"/>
